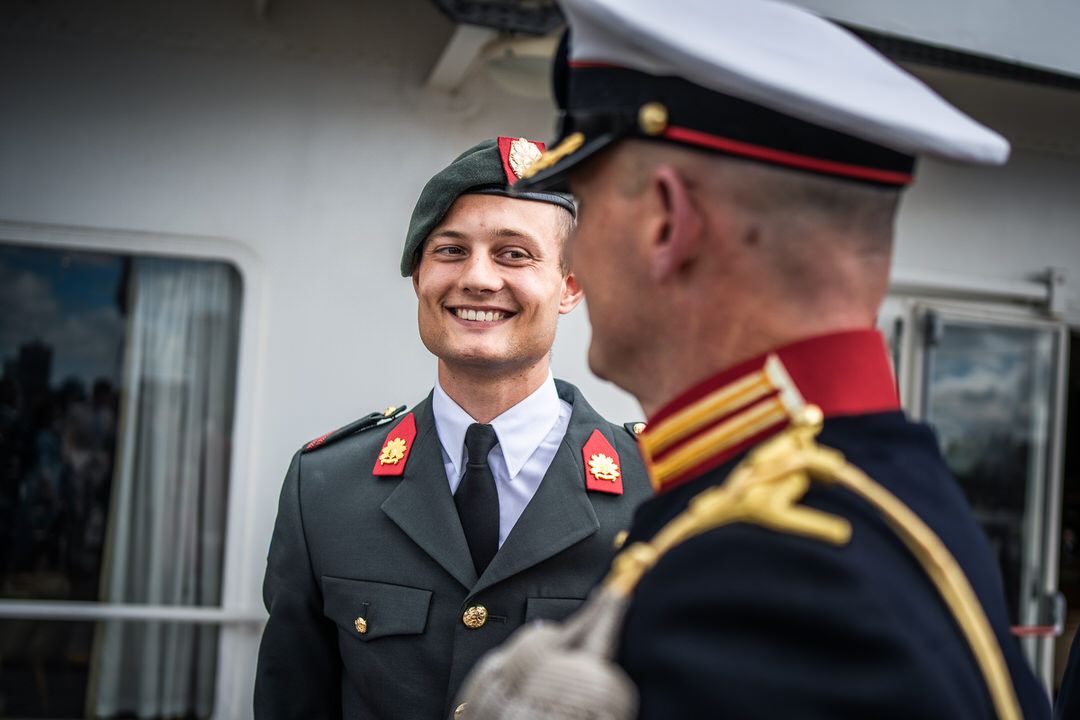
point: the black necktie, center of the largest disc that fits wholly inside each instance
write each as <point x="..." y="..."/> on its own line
<point x="477" y="499"/>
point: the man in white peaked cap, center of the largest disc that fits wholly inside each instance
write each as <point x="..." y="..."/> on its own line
<point x="737" y="166"/>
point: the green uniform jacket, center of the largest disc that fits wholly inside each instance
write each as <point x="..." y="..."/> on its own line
<point x="390" y="550"/>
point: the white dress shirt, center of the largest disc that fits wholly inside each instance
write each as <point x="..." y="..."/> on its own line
<point x="529" y="435"/>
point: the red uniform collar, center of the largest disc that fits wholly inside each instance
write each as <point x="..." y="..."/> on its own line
<point x="846" y="373"/>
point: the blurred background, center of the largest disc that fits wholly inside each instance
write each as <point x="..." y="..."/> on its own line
<point x="202" y="208"/>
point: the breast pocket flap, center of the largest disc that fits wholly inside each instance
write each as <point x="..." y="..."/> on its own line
<point x="370" y="610"/>
<point x="538" y="608"/>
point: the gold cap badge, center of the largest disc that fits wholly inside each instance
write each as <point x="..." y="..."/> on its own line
<point x="393" y="451"/>
<point x="522" y="154"/>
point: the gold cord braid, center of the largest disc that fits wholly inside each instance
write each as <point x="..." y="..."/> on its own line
<point x="951" y="582"/>
<point x="764" y="490"/>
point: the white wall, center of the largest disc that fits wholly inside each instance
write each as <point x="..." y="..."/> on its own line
<point x="305" y="137"/>
<point x="1040" y="33"/>
<point x="1008" y="223"/>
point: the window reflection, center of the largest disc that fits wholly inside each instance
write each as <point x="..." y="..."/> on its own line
<point x="989" y="397"/>
<point x="61" y="341"/>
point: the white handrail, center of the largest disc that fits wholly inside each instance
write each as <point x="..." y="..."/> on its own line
<point x="75" y="610"/>
<point x="952" y="284"/>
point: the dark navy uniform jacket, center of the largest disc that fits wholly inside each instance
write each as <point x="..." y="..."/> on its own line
<point x="390" y="550"/>
<point x="1067" y="705"/>
<point x="748" y="622"/>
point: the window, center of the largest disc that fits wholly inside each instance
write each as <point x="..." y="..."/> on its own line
<point x="116" y="418"/>
<point x="989" y="394"/>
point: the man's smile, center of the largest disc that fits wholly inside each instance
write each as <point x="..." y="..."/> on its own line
<point x="480" y="314"/>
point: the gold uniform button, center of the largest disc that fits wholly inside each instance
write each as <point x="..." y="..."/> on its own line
<point x="459" y="711"/>
<point x="639" y="428"/>
<point x="620" y="539"/>
<point x="361" y="625"/>
<point x="475" y="616"/>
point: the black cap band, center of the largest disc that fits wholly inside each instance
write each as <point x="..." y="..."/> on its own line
<point x="750" y="130"/>
<point x="606" y="105"/>
<point x="559" y="199"/>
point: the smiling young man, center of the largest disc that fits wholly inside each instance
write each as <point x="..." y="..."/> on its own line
<point x="406" y="545"/>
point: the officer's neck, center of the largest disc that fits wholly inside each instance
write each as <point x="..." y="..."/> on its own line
<point x="485" y="392"/>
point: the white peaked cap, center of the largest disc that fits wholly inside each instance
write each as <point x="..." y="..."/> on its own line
<point x="787" y="59"/>
<point x="777" y="56"/>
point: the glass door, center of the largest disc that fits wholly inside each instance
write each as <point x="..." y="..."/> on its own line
<point x="991" y="387"/>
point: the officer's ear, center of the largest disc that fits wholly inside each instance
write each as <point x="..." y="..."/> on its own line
<point x="571" y="294"/>
<point x="678" y="237"/>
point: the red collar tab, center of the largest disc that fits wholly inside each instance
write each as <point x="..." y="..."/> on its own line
<point x="602" y="470"/>
<point x="847" y="373"/>
<point x="395" y="451"/>
<point x="517" y="154"/>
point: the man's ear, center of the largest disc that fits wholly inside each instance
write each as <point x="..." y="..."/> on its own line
<point x="416" y="279"/>
<point x="571" y="294"/>
<point x="678" y="238"/>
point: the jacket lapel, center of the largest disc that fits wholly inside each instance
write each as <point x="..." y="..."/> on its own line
<point x="560" y="514"/>
<point x="423" y="507"/>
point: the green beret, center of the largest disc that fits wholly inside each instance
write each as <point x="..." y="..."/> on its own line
<point x="490" y="167"/>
